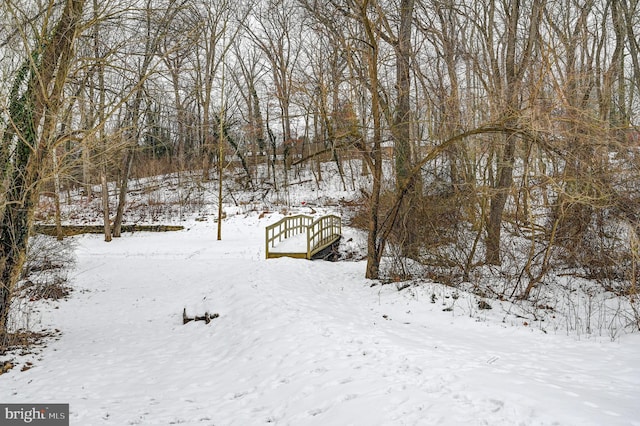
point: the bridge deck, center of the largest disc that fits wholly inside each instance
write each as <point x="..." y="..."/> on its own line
<point x="301" y="236"/>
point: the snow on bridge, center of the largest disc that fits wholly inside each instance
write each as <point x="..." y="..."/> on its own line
<point x="301" y="236"/>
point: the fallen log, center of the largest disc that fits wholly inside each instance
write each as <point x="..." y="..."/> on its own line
<point x="207" y="317"/>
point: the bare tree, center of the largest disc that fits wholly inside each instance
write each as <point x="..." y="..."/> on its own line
<point x="278" y="34"/>
<point x="212" y="47"/>
<point x="35" y="101"/>
<point x="519" y="56"/>
<point x="156" y="23"/>
<point x="249" y="70"/>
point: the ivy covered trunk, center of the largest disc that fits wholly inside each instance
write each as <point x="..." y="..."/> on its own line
<point x="34" y="103"/>
<point x="20" y="201"/>
<point x="14" y="225"/>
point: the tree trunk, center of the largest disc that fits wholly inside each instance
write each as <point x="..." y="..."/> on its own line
<point x="32" y="128"/>
<point x="375" y="245"/>
<point x="498" y="201"/>
<point x="401" y="128"/>
<point x="56" y="194"/>
<point x="514" y="73"/>
<point x="122" y="196"/>
<point x="105" y="205"/>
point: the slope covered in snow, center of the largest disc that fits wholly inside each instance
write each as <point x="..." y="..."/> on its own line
<point x="302" y="343"/>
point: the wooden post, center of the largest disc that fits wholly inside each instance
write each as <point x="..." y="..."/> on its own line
<point x="266" y="242"/>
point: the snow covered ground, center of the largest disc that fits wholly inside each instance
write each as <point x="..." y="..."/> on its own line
<point x="301" y="342"/>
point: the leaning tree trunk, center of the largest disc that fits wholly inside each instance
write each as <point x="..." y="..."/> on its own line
<point x="155" y="32"/>
<point x="122" y="196"/>
<point x="33" y="111"/>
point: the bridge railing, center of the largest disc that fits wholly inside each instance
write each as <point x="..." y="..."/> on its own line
<point x="322" y="232"/>
<point x="285" y="228"/>
<point x="319" y="233"/>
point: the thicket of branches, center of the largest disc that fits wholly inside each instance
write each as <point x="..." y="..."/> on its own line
<point x="517" y="116"/>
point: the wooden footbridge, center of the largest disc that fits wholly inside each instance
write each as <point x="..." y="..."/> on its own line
<point x="302" y="236"/>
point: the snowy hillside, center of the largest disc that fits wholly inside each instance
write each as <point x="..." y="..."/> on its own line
<point x="301" y="343"/>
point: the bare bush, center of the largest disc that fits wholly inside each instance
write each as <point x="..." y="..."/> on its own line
<point x="44" y="276"/>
